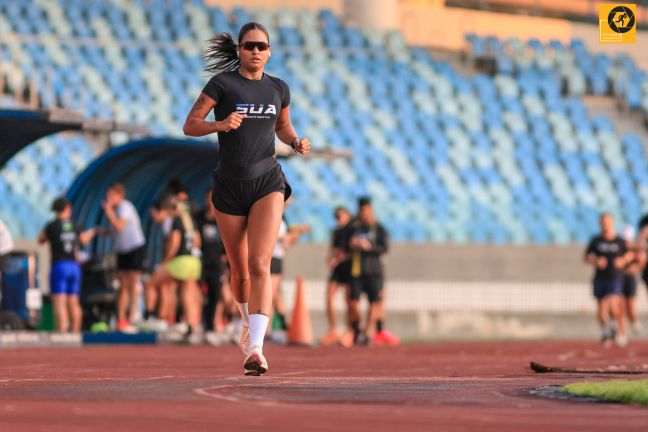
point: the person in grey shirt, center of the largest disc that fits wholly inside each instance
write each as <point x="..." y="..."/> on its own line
<point x="129" y="245"/>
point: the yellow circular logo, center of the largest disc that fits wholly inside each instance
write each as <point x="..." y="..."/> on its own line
<point x="621" y="19"/>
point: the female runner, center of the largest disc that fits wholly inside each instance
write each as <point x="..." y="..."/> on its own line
<point x="250" y="107"/>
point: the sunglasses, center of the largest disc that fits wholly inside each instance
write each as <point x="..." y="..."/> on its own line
<point x="249" y="46"/>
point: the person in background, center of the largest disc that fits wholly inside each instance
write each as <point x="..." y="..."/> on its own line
<point x="288" y="236"/>
<point x="339" y="264"/>
<point x="212" y="269"/>
<point x="642" y="246"/>
<point x="367" y="241"/>
<point x="64" y="238"/>
<point x="129" y="245"/>
<point x="636" y="261"/>
<point x="181" y="263"/>
<point x="159" y="306"/>
<point x="608" y="254"/>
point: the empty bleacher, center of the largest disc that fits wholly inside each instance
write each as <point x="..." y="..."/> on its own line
<point x="511" y="158"/>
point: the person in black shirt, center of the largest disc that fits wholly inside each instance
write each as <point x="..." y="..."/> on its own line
<point x="212" y="259"/>
<point x="642" y="245"/>
<point x="608" y="253"/>
<point x="634" y="263"/>
<point x="340" y="265"/>
<point x="250" y="108"/>
<point x="64" y="238"/>
<point x="366" y="242"/>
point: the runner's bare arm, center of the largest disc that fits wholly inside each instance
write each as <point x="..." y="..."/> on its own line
<point x="195" y="124"/>
<point x="286" y="133"/>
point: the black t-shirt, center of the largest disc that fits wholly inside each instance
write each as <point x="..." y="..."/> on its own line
<point x="63" y="237"/>
<point x="261" y="100"/>
<point x="338" y="241"/>
<point x="366" y="263"/>
<point x="337" y="238"/>
<point x="610" y="250"/>
<point x="187" y="238"/>
<point x="212" y="245"/>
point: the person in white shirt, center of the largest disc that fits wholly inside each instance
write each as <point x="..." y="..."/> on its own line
<point x="129" y="245"/>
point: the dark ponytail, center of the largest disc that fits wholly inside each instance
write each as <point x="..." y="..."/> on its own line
<point x="220" y="55"/>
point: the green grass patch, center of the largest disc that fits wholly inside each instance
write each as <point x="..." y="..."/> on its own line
<point x="635" y="392"/>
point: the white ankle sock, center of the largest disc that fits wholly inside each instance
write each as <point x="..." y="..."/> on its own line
<point x="258" y="326"/>
<point x="243" y="308"/>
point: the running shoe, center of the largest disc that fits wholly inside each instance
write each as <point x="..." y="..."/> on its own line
<point x="330" y="338"/>
<point x="196" y="336"/>
<point x="124" y="326"/>
<point x="244" y="340"/>
<point x="217" y="338"/>
<point x="361" y="338"/>
<point x="621" y="340"/>
<point x="637" y="328"/>
<point x="255" y="363"/>
<point x="154" y="325"/>
<point x="279" y="337"/>
<point x="347" y="339"/>
<point x="384" y="337"/>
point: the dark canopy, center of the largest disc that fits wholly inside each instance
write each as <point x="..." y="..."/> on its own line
<point x="145" y="168"/>
<point x="20" y="128"/>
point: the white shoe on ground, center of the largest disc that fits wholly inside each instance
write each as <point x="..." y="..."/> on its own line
<point x="255" y="363"/>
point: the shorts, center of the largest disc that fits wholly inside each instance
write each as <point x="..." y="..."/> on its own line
<point x="235" y="196"/>
<point x="276" y="266"/>
<point x="629" y="286"/>
<point x="341" y="274"/>
<point x="131" y="261"/>
<point x="607" y="287"/>
<point x="184" y="268"/>
<point x="370" y="285"/>
<point x="65" y="278"/>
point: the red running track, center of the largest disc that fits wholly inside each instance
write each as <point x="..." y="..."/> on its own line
<point x="445" y="387"/>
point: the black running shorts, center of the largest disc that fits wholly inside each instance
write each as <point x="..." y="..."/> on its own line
<point x="629" y="286"/>
<point x="341" y="274"/>
<point x="235" y="194"/>
<point x="131" y="261"/>
<point x="370" y="285"/>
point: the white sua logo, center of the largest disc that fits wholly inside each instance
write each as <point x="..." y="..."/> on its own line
<point x="260" y="111"/>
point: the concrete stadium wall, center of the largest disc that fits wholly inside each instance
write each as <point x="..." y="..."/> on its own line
<point x="431" y="310"/>
<point x="446" y="27"/>
<point x="427" y="263"/>
<point x="465" y="263"/>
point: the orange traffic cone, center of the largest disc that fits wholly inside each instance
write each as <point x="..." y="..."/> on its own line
<point x="300" y="331"/>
